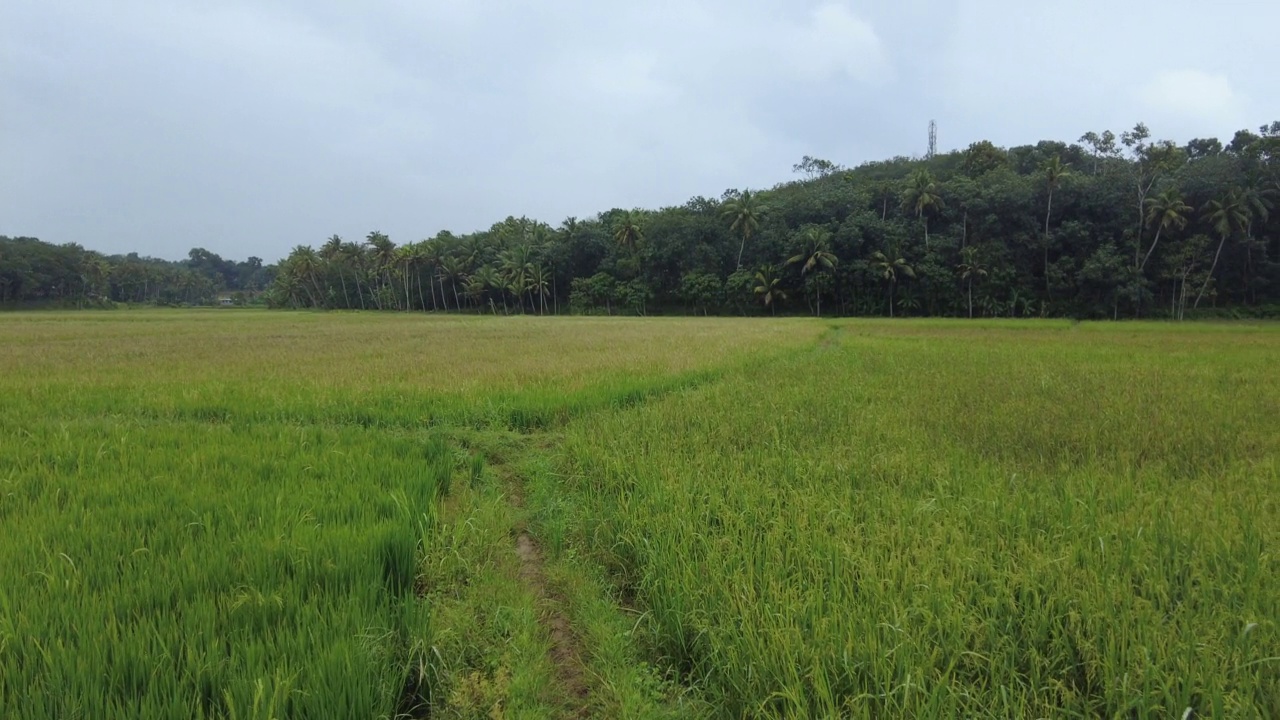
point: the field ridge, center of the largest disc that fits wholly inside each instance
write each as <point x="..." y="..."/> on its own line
<point x="566" y="649"/>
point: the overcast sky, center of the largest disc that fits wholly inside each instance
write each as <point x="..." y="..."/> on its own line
<point x="250" y="127"/>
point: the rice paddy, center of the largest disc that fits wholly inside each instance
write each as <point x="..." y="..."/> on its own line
<point x="287" y="515"/>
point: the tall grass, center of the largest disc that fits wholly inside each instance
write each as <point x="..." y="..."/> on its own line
<point x="359" y="369"/>
<point x="226" y="515"/>
<point x="189" y="570"/>
<point x="254" y="515"/>
<point x="957" y="520"/>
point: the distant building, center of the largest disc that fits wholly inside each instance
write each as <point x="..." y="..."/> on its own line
<point x="225" y="301"/>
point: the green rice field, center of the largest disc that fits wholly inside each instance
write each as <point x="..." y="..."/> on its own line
<point x="268" y="515"/>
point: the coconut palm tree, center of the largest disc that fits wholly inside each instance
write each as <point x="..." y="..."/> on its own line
<point x="383" y="256"/>
<point x="883" y="192"/>
<point x="815" y="257"/>
<point x="432" y="252"/>
<point x="1256" y="199"/>
<point x="1020" y="304"/>
<point x="488" y="278"/>
<point x="290" y="284"/>
<point x="921" y="198"/>
<point x="517" y="284"/>
<point x="1054" y="170"/>
<point x="353" y="256"/>
<point x="627" y="229"/>
<point x="517" y="264"/>
<point x="1184" y="259"/>
<point x="474" y="289"/>
<point x="744" y="213"/>
<point x="540" y="283"/>
<point x="766" y="286"/>
<point x="305" y="265"/>
<point x="889" y="270"/>
<point x="453" y="270"/>
<point x="472" y="251"/>
<point x="970" y="269"/>
<point x="420" y="258"/>
<point x="569" y="228"/>
<point x="1228" y="215"/>
<point x="406" y="257"/>
<point x="908" y="301"/>
<point x="332" y="255"/>
<point x="1166" y="211"/>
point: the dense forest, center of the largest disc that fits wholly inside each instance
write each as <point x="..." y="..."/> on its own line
<point x="1111" y="226"/>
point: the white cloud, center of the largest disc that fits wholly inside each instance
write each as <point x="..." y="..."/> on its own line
<point x="1193" y="95"/>
<point x="143" y="123"/>
<point x="835" y="41"/>
<point x="282" y="52"/>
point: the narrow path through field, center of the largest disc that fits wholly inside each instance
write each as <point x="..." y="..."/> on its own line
<point x="567" y="653"/>
<point x="591" y="676"/>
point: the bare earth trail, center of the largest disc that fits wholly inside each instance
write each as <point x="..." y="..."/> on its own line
<point x="567" y="652"/>
<point x="569" y="655"/>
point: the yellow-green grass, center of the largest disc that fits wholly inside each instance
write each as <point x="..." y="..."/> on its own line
<point x="362" y="368"/>
<point x="249" y="515"/>
<point x="177" y="569"/>
<point x="951" y="519"/>
<point x="257" y="515"/>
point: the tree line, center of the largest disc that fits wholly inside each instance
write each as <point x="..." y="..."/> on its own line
<point x="1109" y="226"/>
<point x="33" y="272"/>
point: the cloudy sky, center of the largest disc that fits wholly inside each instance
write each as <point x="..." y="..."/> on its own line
<point x="250" y="127"/>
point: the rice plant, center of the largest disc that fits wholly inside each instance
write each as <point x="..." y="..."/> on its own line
<point x="257" y="516"/>
<point x="957" y="520"/>
<point x="234" y="517"/>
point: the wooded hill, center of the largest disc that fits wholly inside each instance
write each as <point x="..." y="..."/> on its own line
<point x="1110" y="226"/>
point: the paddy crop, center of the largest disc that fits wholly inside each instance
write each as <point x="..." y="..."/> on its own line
<point x="360" y="369"/>
<point x="233" y="515"/>
<point x="955" y="520"/>
<point x="286" y="515"/>
<point x="185" y="570"/>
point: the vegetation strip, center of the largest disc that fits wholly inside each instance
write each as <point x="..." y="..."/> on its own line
<point x="705" y="519"/>
<point x="1108" y="226"/>
<point x="993" y="521"/>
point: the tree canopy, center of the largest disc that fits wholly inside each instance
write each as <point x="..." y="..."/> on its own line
<point x="1114" y="225"/>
